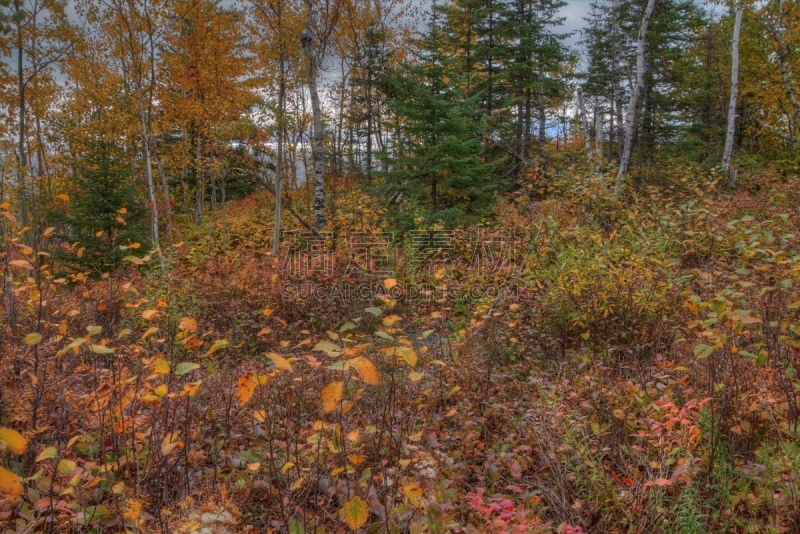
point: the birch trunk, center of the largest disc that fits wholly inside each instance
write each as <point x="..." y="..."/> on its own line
<point x="630" y="115"/>
<point x="728" y="151"/>
<point x="585" y="124"/>
<point x="316" y="111"/>
<point x="151" y="188"/>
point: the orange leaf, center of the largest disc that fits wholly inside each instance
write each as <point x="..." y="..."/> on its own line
<point x="245" y="387"/>
<point x="188" y="324"/>
<point x="332" y="395"/>
<point x="413" y="492"/>
<point x="279" y="361"/>
<point x="10" y="484"/>
<point x="369" y="373"/>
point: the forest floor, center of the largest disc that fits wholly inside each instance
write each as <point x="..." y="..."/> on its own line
<point x="574" y="364"/>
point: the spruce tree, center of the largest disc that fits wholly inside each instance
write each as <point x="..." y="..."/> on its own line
<point x="103" y="213"/>
<point x="441" y="164"/>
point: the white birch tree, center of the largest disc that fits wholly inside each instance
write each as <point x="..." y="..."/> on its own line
<point x="630" y="116"/>
<point x="727" y="153"/>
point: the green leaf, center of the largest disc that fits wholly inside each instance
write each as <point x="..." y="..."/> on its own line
<point x="718" y="305"/>
<point x="327" y="346"/>
<point x="92" y="514"/>
<point x="102" y="349"/>
<point x="296" y="527"/>
<point x="349" y="325"/>
<point x="94" y="330"/>
<point x="186" y="367"/>
<point x="789" y="372"/>
<point x="374" y="311"/>
<point x="703" y="351"/>
<point x="48" y="453"/>
<point x="383" y="335"/>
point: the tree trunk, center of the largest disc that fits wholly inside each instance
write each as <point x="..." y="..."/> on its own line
<point x="316" y="111"/>
<point x="151" y="188"/>
<point x="727" y="154"/>
<point x="630" y="116"/>
<point x="276" y="239"/>
<point x="23" y="158"/>
<point x="598" y="137"/>
<point x="585" y="124"/>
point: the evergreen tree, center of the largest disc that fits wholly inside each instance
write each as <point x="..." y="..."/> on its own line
<point x="103" y="213"/>
<point x="441" y="163"/>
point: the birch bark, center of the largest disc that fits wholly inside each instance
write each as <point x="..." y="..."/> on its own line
<point x="630" y="116"/>
<point x="727" y="153"/>
<point x="307" y="41"/>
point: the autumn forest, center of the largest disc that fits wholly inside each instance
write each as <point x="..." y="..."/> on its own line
<point x="399" y="266"/>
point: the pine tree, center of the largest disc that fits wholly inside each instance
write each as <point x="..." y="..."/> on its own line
<point x="103" y="213"/>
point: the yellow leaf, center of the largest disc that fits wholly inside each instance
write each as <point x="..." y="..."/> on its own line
<point x="149" y="314"/>
<point x="254" y="466"/>
<point x="151" y="399"/>
<point x="132" y="510"/>
<point x="268" y="312"/>
<point x="149" y="332"/>
<point x="33" y="338"/>
<point x="219" y="344"/>
<point x="415" y="376"/>
<point x="65" y="466"/>
<point x="413" y="492"/>
<point x="63" y="197"/>
<point x="369" y="373"/>
<point x="188" y="324"/>
<point x="49" y="232"/>
<point x="390" y="320"/>
<point x="8" y="215"/>
<point x="408" y="355"/>
<point x="332" y="395"/>
<point x="389" y="283"/>
<point x="161" y="390"/>
<point x="160" y="366"/>
<point x="279" y="361"/>
<point x="355" y="513"/>
<point x="15" y="442"/>
<point x="245" y="387"/>
<point x="10" y="484"/>
<point x="190" y="389"/>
